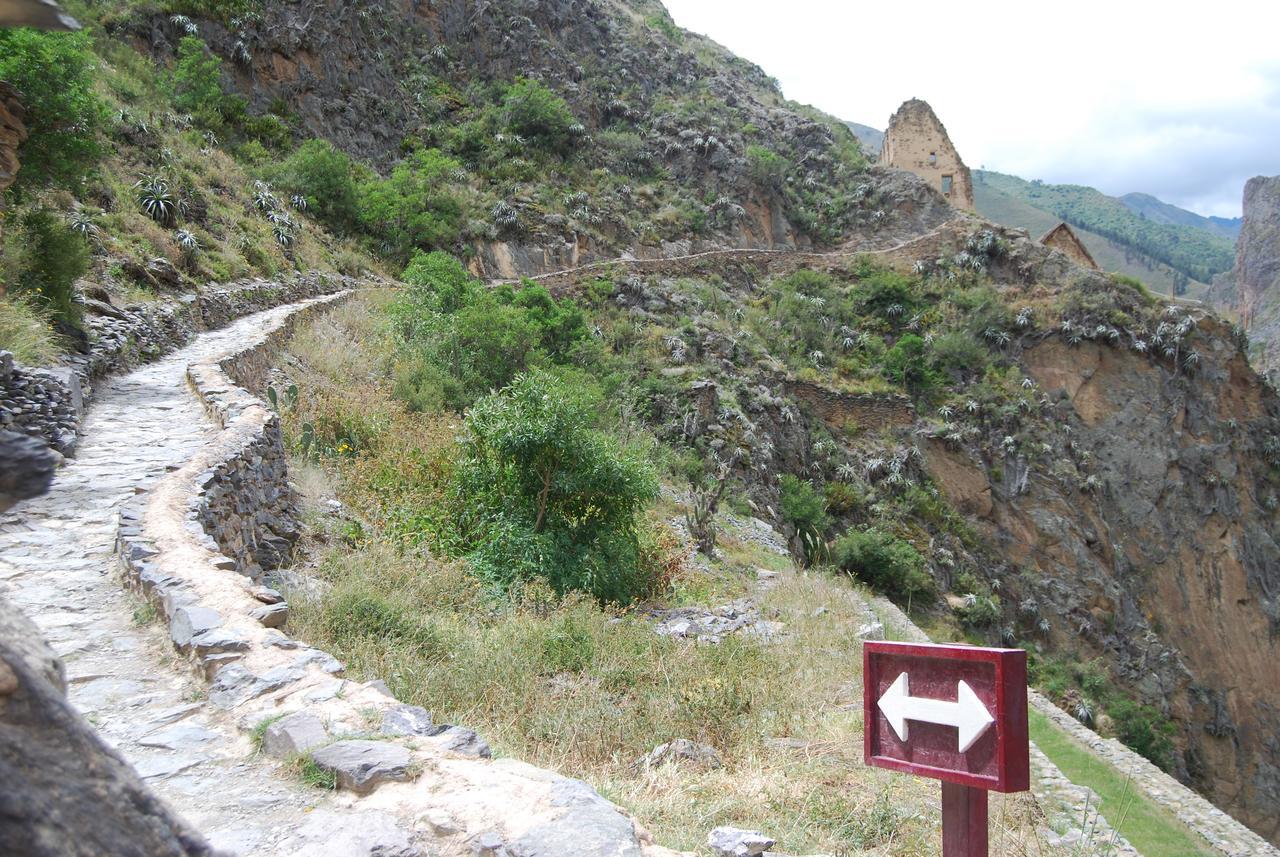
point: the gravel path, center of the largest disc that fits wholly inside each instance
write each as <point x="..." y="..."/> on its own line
<point x="57" y="564"/>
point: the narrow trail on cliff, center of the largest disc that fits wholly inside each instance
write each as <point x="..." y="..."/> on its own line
<point x="848" y="250"/>
<point x="57" y="563"/>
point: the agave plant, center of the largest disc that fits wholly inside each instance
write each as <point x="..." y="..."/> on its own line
<point x="298" y="201"/>
<point x="187" y="240"/>
<point x="83" y="223"/>
<point x="284" y="235"/>
<point x="186" y="24"/>
<point x="263" y="198"/>
<point x="156" y="199"/>
<point x="504" y="214"/>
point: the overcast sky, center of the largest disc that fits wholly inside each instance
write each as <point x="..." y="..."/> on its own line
<point x="1175" y="99"/>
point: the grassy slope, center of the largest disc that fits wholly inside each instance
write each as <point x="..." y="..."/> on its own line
<point x="1148" y="827"/>
<point x="1110" y="256"/>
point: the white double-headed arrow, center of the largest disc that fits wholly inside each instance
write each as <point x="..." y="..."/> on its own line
<point x="967" y="713"/>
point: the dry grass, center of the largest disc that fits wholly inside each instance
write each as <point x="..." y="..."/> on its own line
<point x="588" y="691"/>
<point x="26" y="333"/>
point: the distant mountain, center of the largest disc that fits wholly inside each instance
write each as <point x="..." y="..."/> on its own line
<point x="1179" y="257"/>
<point x="869" y="137"/>
<point x="1158" y="211"/>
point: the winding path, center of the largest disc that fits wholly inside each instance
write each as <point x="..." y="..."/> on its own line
<point x="57" y="564"/>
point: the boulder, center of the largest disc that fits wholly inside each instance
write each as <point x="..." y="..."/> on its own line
<point x="272" y="615"/>
<point x="463" y="741"/>
<point x="293" y="734"/>
<point x="408" y="720"/>
<point x="26" y="467"/>
<point x="65" y="791"/>
<point x="734" y="842"/>
<point x="190" y="622"/>
<point x="362" y="766"/>
<point x="684" y="751"/>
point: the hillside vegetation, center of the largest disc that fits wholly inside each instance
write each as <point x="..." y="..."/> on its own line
<point x="1194" y="252"/>
<point x="529" y="478"/>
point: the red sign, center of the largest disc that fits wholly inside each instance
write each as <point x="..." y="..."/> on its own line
<point x="954" y="713"/>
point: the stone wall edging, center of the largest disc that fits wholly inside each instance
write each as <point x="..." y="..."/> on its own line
<point x="1218" y="828"/>
<point x="294" y="695"/>
<point x="49" y="402"/>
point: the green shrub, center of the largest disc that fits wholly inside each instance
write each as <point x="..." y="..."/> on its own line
<point x="324" y="175"/>
<point x="414" y="209"/>
<point x="979" y="611"/>
<point x="1144" y="729"/>
<point x="532" y="110"/>
<point x="469" y="340"/>
<point x="959" y="355"/>
<point x="53" y="73"/>
<point x="48" y="256"/>
<point x="767" y="168"/>
<point x="886" y="563"/>
<point x="805" y="510"/>
<point x="540" y="494"/>
<point x="197" y="83"/>
<point x="906" y="364"/>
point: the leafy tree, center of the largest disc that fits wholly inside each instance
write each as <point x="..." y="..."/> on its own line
<point x="326" y="176"/>
<point x="53" y="73"/>
<point x="906" y="364"/>
<point x="541" y="494"/>
<point x="805" y="509"/>
<point x="197" y="83"/>
<point x="414" y="208"/>
<point x="886" y="563"/>
<point x="532" y="110"/>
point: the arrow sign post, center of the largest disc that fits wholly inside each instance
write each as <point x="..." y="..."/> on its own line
<point x="954" y="713"/>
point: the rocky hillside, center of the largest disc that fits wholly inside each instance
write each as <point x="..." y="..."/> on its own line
<point x="1251" y="290"/>
<point x="1018" y="451"/>
<point x="1082" y="470"/>
<point x="663" y="142"/>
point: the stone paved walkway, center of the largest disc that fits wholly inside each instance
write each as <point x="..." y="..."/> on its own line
<point x="56" y="562"/>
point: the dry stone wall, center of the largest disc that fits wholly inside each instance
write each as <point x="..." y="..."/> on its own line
<point x="852" y="410"/>
<point x="49" y="403"/>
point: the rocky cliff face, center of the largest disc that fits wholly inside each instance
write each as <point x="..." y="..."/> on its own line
<point x="1166" y="564"/>
<point x="1252" y="288"/>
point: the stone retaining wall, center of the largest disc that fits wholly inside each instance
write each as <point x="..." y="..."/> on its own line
<point x="245" y="502"/>
<point x="852" y="410"/>
<point x="1219" y="829"/>
<point x="49" y="403"/>
<point x="181" y="546"/>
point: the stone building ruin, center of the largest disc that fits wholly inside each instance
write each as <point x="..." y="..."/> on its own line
<point x="1063" y="238"/>
<point x="917" y="142"/>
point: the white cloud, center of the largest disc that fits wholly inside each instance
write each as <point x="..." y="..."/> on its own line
<point x="1175" y="99"/>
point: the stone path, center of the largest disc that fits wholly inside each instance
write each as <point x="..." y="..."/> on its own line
<point x="57" y="565"/>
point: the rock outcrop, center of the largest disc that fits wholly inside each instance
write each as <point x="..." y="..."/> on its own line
<point x="66" y="793"/>
<point x="26" y="468"/>
<point x="1165" y="562"/>
<point x="1252" y="288"/>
